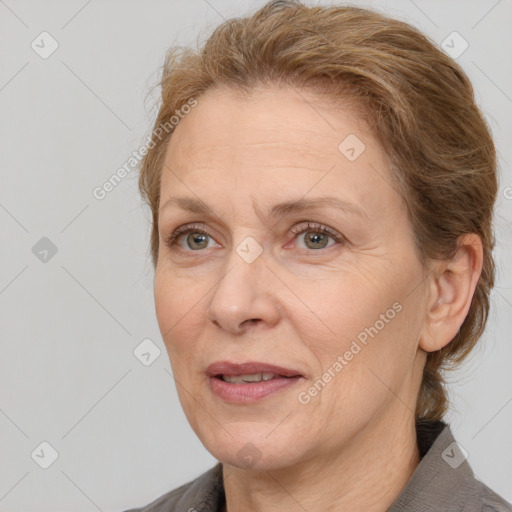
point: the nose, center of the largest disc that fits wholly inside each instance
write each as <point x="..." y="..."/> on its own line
<point x="244" y="296"/>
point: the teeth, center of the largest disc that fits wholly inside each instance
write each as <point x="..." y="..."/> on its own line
<point x="254" y="377"/>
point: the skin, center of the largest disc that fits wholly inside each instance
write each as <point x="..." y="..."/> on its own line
<point x="299" y="305"/>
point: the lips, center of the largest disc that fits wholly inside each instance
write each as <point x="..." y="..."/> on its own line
<point x="245" y="383"/>
<point x="230" y="369"/>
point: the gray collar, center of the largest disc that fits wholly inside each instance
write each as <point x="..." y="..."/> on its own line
<point x="443" y="480"/>
<point x="205" y="494"/>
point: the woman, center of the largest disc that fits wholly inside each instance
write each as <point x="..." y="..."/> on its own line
<point x="322" y="188"/>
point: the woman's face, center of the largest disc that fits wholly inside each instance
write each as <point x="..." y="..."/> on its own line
<point x="342" y="311"/>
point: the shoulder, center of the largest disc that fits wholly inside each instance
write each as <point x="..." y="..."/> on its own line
<point x="166" y="502"/>
<point x="201" y="493"/>
<point x="444" y="479"/>
<point x="493" y="502"/>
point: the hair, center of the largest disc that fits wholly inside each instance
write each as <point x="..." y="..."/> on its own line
<point x="418" y="102"/>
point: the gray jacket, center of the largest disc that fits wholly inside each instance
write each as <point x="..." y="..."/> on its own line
<point x="442" y="482"/>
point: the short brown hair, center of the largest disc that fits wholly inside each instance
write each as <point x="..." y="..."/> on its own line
<point x="418" y="101"/>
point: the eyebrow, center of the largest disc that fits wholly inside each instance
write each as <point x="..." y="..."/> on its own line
<point x="197" y="206"/>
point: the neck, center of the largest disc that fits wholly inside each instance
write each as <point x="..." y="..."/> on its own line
<point x="366" y="476"/>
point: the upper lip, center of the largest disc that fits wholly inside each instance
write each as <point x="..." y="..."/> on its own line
<point x="251" y="367"/>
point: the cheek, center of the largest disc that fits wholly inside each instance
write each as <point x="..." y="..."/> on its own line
<point x="360" y="319"/>
<point x="338" y="309"/>
<point x="174" y="296"/>
<point x="176" y="306"/>
<point x="165" y="303"/>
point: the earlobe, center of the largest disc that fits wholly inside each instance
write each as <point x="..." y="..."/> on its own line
<point x="452" y="289"/>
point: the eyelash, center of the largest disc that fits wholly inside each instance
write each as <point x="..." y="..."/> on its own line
<point x="171" y="240"/>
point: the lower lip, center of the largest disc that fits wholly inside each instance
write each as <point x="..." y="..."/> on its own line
<point x="250" y="391"/>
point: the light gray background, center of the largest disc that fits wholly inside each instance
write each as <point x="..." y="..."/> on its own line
<point x="69" y="326"/>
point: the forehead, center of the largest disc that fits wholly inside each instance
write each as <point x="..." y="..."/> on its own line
<point x="273" y="140"/>
<point x="270" y="124"/>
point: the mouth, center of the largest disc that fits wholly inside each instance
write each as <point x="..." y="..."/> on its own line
<point x="251" y="377"/>
<point x="248" y="382"/>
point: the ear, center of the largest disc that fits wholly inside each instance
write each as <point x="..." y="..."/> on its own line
<point x="451" y="292"/>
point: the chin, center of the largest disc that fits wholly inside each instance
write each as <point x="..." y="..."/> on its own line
<point x="250" y="457"/>
<point x="250" y="448"/>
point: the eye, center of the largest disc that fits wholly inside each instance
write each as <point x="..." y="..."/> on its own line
<point x="198" y="237"/>
<point x="317" y="235"/>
